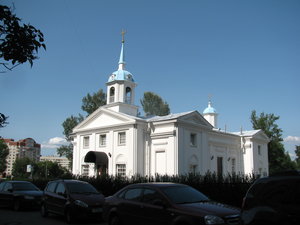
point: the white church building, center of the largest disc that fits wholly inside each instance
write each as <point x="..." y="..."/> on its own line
<point x="115" y="140"/>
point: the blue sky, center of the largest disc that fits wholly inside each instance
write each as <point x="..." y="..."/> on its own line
<point x="246" y="54"/>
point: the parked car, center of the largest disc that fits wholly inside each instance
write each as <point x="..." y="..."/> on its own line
<point x="163" y="204"/>
<point x="72" y="199"/>
<point x="18" y="194"/>
<point x="273" y="200"/>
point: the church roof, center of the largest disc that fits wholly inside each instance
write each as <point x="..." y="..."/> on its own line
<point x="167" y="117"/>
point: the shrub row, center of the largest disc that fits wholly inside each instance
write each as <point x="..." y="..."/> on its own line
<point x="228" y="189"/>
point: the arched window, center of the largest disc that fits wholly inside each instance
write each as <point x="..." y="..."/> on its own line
<point x="128" y="95"/>
<point x="111" y="95"/>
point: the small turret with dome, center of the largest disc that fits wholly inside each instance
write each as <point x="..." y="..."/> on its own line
<point x="121" y="88"/>
<point x="210" y="114"/>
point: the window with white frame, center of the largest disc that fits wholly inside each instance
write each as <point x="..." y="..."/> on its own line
<point x="233" y="165"/>
<point x="86" y="141"/>
<point x="193" y="139"/>
<point x="102" y="140"/>
<point x="121" y="170"/>
<point x="122" y="138"/>
<point x="85" y="170"/>
<point x="193" y="168"/>
<point x="259" y="150"/>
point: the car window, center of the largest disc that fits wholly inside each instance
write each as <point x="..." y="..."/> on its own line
<point x="184" y="194"/>
<point x="7" y="187"/>
<point x="79" y="187"/>
<point x="2" y="185"/>
<point x="24" y="186"/>
<point x="51" y="187"/>
<point x="133" y="194"/>
<point x="60" y="188"/>
<point x="151" y="196"/>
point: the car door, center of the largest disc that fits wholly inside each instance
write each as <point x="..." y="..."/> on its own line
<point x="49" y="196"/>
<point x="129" y="207"/>
<point x="153" y="203"/>
<point x="59" y="198"/>
<point x="7" y="194"/>
<point x="2" y="194"/>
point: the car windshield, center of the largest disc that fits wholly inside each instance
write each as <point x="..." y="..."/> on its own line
<point x="24" y="187"/>
<point x="184" y="194"/>
<point x="81" y="188"/>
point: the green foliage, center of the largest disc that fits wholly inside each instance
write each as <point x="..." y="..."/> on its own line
<point x="48" y="169"/>
<point x="69" y="125"/>
<point x="66" y="150"/>
<point x="297" y="151"/>
<point x="3" y="154"/>
<point x="91" y="103"/>
<point x="153" y="104"/>
<point x="19" y="43"/>
<point x="20" y="167"/>
<point x="279" y="160"/>
<point x="3" y="120"/>
<point x="228" y="189"/>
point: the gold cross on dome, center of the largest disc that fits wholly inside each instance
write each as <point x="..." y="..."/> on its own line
<point x="123" y="34"/>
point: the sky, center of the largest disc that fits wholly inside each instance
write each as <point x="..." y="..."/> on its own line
<point x="245" y="54"/>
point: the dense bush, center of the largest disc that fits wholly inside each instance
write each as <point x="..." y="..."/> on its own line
<point x="228" y="189"/>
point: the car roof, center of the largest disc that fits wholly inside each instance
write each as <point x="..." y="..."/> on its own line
<point x="69" y="181"/>
<point x="156" y="184"/>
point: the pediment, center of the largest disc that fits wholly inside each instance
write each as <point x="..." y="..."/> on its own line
<point x="261" y="135"/>
<point x="103" y="118"/>
<point x="195" y="118"/>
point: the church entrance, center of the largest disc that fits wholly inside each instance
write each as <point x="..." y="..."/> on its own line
<point x="100" y="159"/>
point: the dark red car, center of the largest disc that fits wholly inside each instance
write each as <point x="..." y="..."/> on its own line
<point x="163" y="204"/>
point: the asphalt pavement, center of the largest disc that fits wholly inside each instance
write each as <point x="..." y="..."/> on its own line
<point x="33" y="217"/>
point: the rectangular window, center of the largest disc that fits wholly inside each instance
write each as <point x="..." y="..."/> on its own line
<point x="259" y="150"/>
<point x="193" y="169"/>
<point x="86" y="142"/>
<point x="193" y="139"/>
<point x="220" y="166"/>
<point x="85" y="170"/>
<point x="122" y="138"/>
<point x="121" y="170"/>
<point x="233" y="165"/>
<point x="102" y="140"/>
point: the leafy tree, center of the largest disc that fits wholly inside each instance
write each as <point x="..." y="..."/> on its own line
<point x="20" y="167"/>
<point x="153" y="104"/>
<point x="297" y="151"/>
<point x="67" y="151"/>
<point x="49" y="169"/>
<point x="69" y="124"/>
<point x="3" y="119"/>
<point x="3" y="154"/>
<point x="279" y="160"/>
<point x="92" y="102"/>
<point x="19" y="43"/>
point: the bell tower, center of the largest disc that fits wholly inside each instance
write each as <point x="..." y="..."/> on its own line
<point x="121" y="88"/>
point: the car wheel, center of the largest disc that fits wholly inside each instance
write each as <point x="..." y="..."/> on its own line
<point x="69" y="216"/>
<point x="16" y="205"/>
<point x="114" y="220"/>
<point x="44" y="211"/>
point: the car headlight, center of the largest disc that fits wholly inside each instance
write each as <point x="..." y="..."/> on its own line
<point x="28" y="197"/>
<point x="211" y="219"/>
<point x="81" y="203"/>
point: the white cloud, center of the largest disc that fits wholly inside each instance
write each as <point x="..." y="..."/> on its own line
<point x="292" y="139"/>
<point x="54" y="143"/>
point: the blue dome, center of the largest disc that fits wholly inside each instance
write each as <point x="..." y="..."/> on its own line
<point x="121" y="75"/>
<point x="209" y="109"/>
